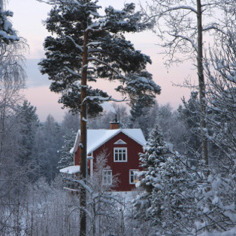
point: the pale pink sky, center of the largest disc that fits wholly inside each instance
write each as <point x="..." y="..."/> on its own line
<point x="27" y="20"/>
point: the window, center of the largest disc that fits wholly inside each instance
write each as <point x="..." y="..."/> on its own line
<point x="120" y="154"/>
<point x="132" y="176"/>
<point x="107" y="177"/>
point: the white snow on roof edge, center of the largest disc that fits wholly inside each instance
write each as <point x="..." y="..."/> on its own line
<point x="70" y="170"/>
<point x="76" y="143"/>
<point x="136" y="135"/>
<point x="98" y="137"/>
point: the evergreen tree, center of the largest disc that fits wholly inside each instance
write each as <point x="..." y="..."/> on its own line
<point x="109" y="55"/>
<point x="155" y="153"/>
<point x="49" y="141"/>
<point x="137" y="110"/>
<point x="140" y="113"/>
<point x="172" y="126"/>
<point x="28" y="122"/>
<point x="173" y="208"/>
<point x="7" y="33"/>
<point x="67" y="158"/>
<point x="170" y="189"/>
<point x="70" y="122"/>
<point x="164" y="119"/>
<point x="190" y="114"/>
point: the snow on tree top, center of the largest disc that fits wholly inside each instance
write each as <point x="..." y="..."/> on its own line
<point x="97" y="137"/>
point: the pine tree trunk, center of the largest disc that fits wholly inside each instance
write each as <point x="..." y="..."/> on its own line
<point x="83" y="136"/>
<point x="201" y="81"/>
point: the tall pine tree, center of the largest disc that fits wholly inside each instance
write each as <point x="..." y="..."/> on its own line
<point x="86" y="47"/>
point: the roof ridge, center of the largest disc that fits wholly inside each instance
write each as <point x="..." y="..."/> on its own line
<point x="107" y="134"/>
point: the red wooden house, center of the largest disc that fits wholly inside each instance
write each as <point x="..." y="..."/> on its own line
<point x="122" y="148"/>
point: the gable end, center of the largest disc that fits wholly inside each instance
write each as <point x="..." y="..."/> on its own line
<point x="120" y="141"/>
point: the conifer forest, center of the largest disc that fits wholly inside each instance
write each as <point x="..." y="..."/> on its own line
<point x="186" y="185"/>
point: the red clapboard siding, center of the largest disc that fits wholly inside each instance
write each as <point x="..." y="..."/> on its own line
<point x="121" y="169"/>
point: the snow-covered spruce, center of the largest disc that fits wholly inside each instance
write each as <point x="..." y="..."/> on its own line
<point x="7" y="33"/>
<point x="168" y="202"/>
<point x="66" y="157"/>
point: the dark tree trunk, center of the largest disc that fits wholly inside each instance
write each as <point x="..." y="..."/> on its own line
<point x="201" y="81"/>
<point x="83" y="137"/>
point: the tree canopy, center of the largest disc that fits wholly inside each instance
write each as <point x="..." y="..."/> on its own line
<point x="109" y="55"/>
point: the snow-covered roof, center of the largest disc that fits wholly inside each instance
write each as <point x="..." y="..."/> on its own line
<point x="97" y="137"/>
<point x="70" y="170"/>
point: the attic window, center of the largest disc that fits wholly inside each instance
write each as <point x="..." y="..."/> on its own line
<point x="120" y="155"/>
<point x="120" y="141"/>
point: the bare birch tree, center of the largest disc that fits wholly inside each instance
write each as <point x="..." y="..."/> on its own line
<point x="221" y="72"/>
<point x="182" y="25"/>
<point x="12" y="79"/>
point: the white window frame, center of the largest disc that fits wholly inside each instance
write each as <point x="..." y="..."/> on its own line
<point x="120" y="154"/>
<point x="107" y="177"/>
<point x="132" y="175"/>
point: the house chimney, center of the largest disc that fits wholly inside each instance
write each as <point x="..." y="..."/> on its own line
<point x="114" y="124"/>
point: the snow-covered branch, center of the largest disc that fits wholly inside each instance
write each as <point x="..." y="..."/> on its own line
<point x="4" y="35"/>
<point x="76" y="45"/>
<point x="80" y="182"/>
<point x="187" y="39"/>
<point x="106" y="64"/>
<point x="94" y="43"/>
<point x="72" y="72"/>
<point x="213" y="27"/>
<point x="103" y="99"/>
<point x="179" y="8"/>
<point x="54" y="2"/>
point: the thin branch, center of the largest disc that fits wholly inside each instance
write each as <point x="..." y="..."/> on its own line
<point x="187" y="39"/>
<point x="179" y="8"/>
